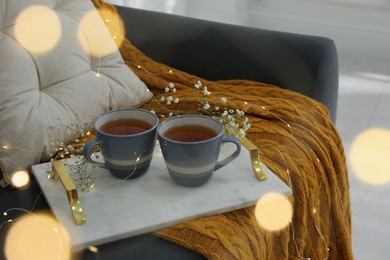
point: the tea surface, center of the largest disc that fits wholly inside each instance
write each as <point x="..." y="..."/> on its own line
<point x="190" y="133"/>
<point x="125" y="126"/>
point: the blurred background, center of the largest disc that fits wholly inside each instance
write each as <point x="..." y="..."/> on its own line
<point x="359" y="27"/>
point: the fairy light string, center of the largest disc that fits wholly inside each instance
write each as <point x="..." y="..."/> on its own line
<point x="64" y="152"/>
<point x="289" y="128"/>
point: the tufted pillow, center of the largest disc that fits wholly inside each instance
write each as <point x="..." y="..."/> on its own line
<point x="59" y="66"/>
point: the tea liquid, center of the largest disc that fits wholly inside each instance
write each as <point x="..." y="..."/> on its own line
<point x="190" y="133"/>
<point x="125" y="126"/>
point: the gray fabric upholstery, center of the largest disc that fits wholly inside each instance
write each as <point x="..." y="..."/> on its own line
<point x="215" y="51"/>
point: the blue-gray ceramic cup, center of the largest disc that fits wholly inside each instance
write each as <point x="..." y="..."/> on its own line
<point x="126" y="138"/>
<point x="191" y="161"/>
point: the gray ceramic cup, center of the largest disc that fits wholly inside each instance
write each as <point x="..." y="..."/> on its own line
<point x="126" y="156"/>
<point x="192" y="163"/>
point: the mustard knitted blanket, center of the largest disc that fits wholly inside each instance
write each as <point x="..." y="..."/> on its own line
<point x="298" y="142"/>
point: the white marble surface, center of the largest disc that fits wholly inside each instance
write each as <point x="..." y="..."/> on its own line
<point x="116" y="210"/>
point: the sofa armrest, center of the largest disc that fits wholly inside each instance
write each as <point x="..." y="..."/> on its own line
<point x="216" y="51"/>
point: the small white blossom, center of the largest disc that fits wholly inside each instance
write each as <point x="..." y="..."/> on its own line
<point x="216" y="108"/>
<point x="223" y="99"/>
<point x="206" y="106"/>
<point x="170" y="114"/>
<point x="171" y="85"/>
<point x="241" y="132"/>
<point x="197" y="86"/>
<point x="240" y="112"/>
<point x="176" y="100"/>
<point x="170" y="98"/>
<point x="166" y="89"/>
<point x="169" y="102"/>
<point x="153" y="112"/>
<point x="174" y="90"/>
<point x="225" y="113"/>
<point x="162" y="98"/>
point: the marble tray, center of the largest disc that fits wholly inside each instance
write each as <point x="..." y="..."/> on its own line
<point x="116" y="210"/>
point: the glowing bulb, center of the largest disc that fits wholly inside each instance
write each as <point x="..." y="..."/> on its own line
<point x="20" y="178"/>
<point x="93" y="30"/>
<point x="38" y="29"/>
<point x="93" y="249"/>
<point x="22" y="241"/>
<point x="273" y="211"/>
<point x="370" y="155"/>
<point x="5" y="147"/>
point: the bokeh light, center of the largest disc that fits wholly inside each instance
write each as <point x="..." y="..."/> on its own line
<point x="370" y="156"/>
<point x="37" y="236"/>
<point x="20" y="178"/>
<point x="38" y="29"/>
<point x="95" y="39"/>
<point x="273" y="211"/>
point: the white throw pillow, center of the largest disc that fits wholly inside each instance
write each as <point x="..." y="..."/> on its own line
<point x="55" y="70"/>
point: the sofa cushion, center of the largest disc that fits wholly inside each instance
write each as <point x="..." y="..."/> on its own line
<point x="60" y="68"/>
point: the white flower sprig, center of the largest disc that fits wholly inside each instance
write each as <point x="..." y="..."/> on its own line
<point x="234" y="120"/>
<point x="76" y="135"/>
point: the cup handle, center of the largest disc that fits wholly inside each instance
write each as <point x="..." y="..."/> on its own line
<point x="87" y="150"/>
<point x="234" y="155"/>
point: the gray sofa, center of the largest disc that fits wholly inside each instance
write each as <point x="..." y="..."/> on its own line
<point x="214" y="51"/>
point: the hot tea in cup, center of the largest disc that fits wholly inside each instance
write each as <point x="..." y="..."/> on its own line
<point x="126" y="139"/>
<point x="191" y="145"/>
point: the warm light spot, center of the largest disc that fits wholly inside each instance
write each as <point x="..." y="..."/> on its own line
<point x="370" y="156"/>
<point x="20" y="178"/>
<point x="37" y="236"/>
<point x="273" y="211"/>
<point x="93" y="249"/>
<point x="5" y="147"/>
<point x="38" y="29"/>
<point x="95" y="38"/>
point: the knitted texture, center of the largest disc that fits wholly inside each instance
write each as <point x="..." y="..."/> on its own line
<point x="298" y="142"/>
